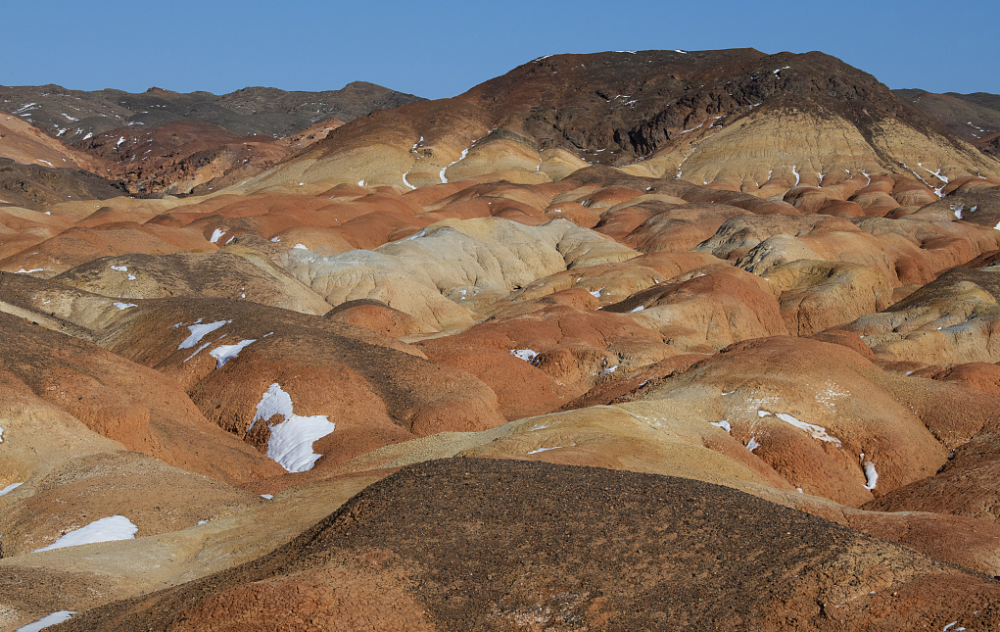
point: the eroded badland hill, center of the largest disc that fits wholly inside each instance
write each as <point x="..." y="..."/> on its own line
<point x="634" y="340"/>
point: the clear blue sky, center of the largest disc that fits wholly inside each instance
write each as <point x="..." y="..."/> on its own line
<point x="440" y="49"/>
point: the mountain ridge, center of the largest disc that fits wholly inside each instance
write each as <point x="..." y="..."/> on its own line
<point x="75" y="115"/>
<point x="735" y="119"/>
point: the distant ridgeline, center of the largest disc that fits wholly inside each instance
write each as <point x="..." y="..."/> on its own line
<point x="75" y="115"/>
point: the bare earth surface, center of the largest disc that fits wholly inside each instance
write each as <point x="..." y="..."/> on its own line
<point x="628" y="341"/>
<point x="473" y="544"/>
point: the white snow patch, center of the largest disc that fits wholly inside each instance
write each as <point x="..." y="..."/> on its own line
<point x="47" y="621"/>
<point x="609" y="370"/>
<point x="120" y="268"/>
<point x="108" y="529"/>
<point x="797" y="176"/>
<point x="200" y="331"/>
<point x="44" y="161"/>
<point x="638" y="309"/>
<point x="10" y="488"/>
<point x="871" y="476"/>
<point x="124" y="305"/>
<point x="538" y="428"/>
<point x="725" y="425"/>
<point x="217" y="234"/>
<point x="89" y="135"/>
<point x="131" y="277"/>
<point x="291" y="440"/>
<point x="558" y="447"/>
<point x="465" y="152"/>
<point x="597" y="293"/>
<point x="275" y="239"/>
<point x="267" y="496"/>
<point x="816" y="432"/>
<point x="120" y="141"/>
<point x="527" y="355"/>
<point x="762" y="413"/>
<point x="407" y="182"/>
<point x="300" y="246"/>
<point x="225" y="353"/>
<point x="752" y="444"/>
<point x="23" y="271"/>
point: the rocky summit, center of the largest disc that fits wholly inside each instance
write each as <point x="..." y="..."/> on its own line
<point x="636" y="340"/>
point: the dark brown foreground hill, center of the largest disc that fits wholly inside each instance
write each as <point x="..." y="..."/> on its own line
<point x="479" y="544"/>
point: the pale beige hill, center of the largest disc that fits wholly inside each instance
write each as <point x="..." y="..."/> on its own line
<point x="948" y="321"/>
<point x="235" y="273"/>
<point x="812" y="419"/>
<point x="28" y="145"/>
<point x="360" y="274"/>
<point x="57" y="306"/>
<point x="21" y="228"/>
<point x="773" y="149"/>
<point x="382" y="149"/>
<point x="450" y="270"/>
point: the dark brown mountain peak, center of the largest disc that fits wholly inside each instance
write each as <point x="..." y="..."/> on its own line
<point x="635" y="101"/>
<point x="161" y="92"/>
